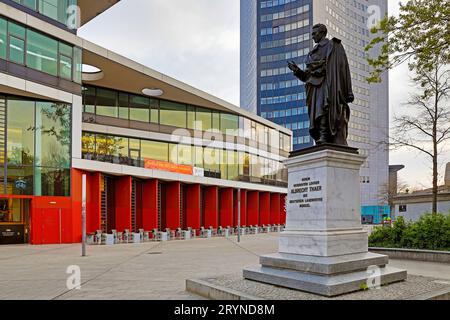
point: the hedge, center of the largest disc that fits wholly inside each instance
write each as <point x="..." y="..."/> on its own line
<point x="431" y="232"/>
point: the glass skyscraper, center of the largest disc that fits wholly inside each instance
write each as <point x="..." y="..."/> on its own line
<point x="277" y="31"/>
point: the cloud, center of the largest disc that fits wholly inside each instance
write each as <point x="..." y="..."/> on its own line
<point x="195" y="41"/>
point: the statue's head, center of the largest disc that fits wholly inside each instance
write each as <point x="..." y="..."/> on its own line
<point x="319" y="32"/>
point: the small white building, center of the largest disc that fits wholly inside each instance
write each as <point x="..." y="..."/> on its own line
<point x="413" y="206"/>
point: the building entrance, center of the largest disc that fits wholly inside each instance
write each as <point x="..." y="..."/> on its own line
<point x="14" y="221"/>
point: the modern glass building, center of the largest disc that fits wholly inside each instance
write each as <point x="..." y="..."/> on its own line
<point x="156" y="152"/>
<point x="276" y="31"/>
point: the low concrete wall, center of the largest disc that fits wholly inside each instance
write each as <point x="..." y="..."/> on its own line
<point x="412" y="254"/>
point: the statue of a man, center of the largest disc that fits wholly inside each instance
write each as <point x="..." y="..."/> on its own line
<point x="328" y="88"/>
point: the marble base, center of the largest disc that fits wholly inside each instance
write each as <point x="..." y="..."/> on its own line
<point x="328" y="286"/>
<point x="324" y="243"/>
<point x="324" y="265"/>
<point x="324" y="249"/>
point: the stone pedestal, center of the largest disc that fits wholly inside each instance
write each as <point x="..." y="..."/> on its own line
<point x="324" y="249"/>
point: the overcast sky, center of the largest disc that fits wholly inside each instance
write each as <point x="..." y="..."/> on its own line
<point x="197" y="42"/>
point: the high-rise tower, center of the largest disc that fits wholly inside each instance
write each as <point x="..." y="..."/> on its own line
<point x="273" y="32"/>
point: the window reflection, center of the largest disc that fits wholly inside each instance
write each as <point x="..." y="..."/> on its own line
<point x="224" y="164"/>
<point x="172" y="114"/>
<point x="166" y="113"/>
<point x="38" y="144"/>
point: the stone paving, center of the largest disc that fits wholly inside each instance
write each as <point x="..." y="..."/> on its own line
<point x="409" y="289"/>
<point x="141" y="271"/>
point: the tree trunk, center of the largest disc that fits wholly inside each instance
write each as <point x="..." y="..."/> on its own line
<point x="435" y="148"/>
<point x="435" y="183"/>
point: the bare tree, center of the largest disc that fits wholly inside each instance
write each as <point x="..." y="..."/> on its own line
<point x="426" y="126"/>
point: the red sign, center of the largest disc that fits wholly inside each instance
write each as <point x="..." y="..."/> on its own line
<point x="167" y="166"/>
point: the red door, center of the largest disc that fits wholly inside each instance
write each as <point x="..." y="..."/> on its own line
<point x="51" y="226"/>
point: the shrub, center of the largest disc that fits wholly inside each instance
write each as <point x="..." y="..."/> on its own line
<point x="431" y="232"/>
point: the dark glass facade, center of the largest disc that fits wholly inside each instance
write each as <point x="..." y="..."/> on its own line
<point x="136" y="108"/>
<point x="35" y="137"/>
<point x="57" y="10"/>
<point x="33" y="49"/>
<point x="283" y="33"/>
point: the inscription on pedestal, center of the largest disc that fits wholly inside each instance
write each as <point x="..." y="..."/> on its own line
<point x="305" y="193"/>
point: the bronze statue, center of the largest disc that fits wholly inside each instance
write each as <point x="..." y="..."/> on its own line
<point x="328" y="88"/>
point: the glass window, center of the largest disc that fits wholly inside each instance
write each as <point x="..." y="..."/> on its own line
<point x="52" y="182"/>
<point x="274" y="141"/>
<point x="105" y="147"/>
<point x="233" y="165"/>
<point x="107" y="103"/>
<point x="172" y="114"/>
<point x="229" y="123"/>
<point x="56" y="9"/>
<point x="49" y="8"/>
<point x="246" y="165"/>
<point x="20" y="180"/>
<point x="89" y="99"/>
<point x="3" y="29"/>
<point x="185" y="155"/>
<point x="173" y="153"/>
<point x="216" y="121"/>
<point x="223" y="164"/>
<point x="154" y="111"/>
<point x="77" y="62"/>
<point x="42" y="53"/>
<point x="30" y="4"/>
<point x="135" y="144"/>
<point x="20" y="124"/>
<point x="53" y="134"/>
<point x="199" y="157"/>
<point x="123" y="106"/>
<point x="212" y="159"/>
<point x="139" y="108"/>
<point x="154" y="150"/>
<point x="247" y="128"/>
<point x="286" y="143"/>
<point x="65" y="61"/>
<point x="203" y="118"/>
<point x="16" y="43"/>
<point x="191" y="117"/>
<point x="255" y="166"/>
<point x="119" y="149"/>
<point x="11" y="210"/>
<point x="88" y="146"/>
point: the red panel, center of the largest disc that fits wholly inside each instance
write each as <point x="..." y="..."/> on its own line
<point x="226" y="208"/>
<point x="253" y="208"/>
<point x="235" y="208"/>
<point x="264" y="208"/>
<point x="275" y="207"/>
<point x="52" y="221"/>
<point x="94" y="204"/>
<point x="193" y="206"/>
<point x="150" y="205"/>
<point x="75" y="213"/>
<point x="243" y="207"/>
<point x="123" y="203"/>
<point x="173" y="209"/>
<point x="50" y="226"/>
<point x="283" y="209"/>
<point x="211" y="199"/>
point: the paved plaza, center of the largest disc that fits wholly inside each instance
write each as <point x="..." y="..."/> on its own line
<point x="142" y="271"/>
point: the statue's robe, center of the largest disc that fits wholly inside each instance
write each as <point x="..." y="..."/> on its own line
<point x="328" y="89"/>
